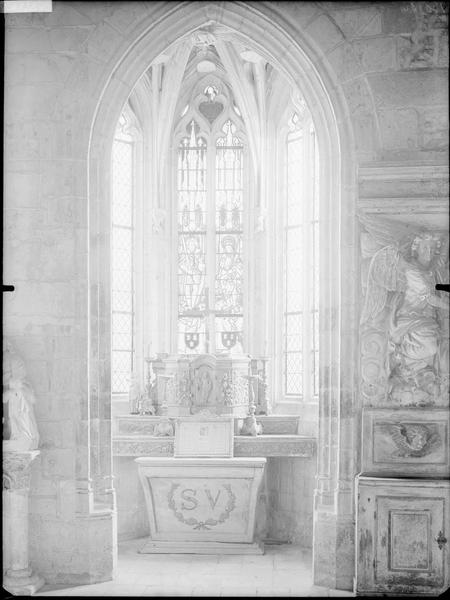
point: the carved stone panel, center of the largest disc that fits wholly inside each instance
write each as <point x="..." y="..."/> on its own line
<point x="203" y="384"/>
<point x="401" y="536"/>
<point x="199" y="501"/>
<point x="405" y="442"/>
<point x="421" y="48"/>
<point x="404" y="321"/>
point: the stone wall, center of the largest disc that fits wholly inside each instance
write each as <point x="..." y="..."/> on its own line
<point x="386" y="63"/>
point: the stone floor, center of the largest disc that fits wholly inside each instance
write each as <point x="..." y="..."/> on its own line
<point x="283" y="570"/>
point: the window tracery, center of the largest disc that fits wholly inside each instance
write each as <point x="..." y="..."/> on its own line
<point x="210" y="206"/>
<point x="218" y="206"/>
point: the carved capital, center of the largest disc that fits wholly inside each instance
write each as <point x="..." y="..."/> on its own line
<point x="16" y="469"/>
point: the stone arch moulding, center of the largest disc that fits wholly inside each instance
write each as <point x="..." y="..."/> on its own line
<point x="299" y="59"/>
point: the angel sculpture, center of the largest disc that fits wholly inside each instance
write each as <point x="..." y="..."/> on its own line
<point x="401" y="300"/>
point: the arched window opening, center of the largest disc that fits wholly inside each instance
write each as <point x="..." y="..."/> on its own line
<point x="301" y="263"/>
<point x="210" y="207"/>
<point x="123" y="264"/>
<point x="229" y="259"/>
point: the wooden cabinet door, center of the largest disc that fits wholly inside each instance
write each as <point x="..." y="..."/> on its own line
<point x="407" y="554"/>
<point x="402" y="532"/>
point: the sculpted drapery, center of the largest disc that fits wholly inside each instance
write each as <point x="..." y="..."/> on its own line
<point x="20" y="424"/>
<point x="401" y="300"/>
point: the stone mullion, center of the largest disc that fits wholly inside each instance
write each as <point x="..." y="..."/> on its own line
<point x="211" y="241"/>
<point x="272" y="170"/>
<point x="307" y="243"/>
<point x="258" y="222"/>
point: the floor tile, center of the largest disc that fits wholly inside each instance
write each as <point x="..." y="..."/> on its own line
<point x="283" y="571"/>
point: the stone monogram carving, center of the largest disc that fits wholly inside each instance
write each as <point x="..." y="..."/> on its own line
<point x="404" y="322"/>
<point x="412" y="439"/>
<point x="189" y="495"/>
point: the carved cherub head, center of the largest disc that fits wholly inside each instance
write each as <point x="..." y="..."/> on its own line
<point x="416" y="436"/>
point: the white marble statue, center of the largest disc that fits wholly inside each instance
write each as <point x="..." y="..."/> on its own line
<point x="134" y="394"/>
<point x="18" y="396"/>
<point x="401" y="299"/>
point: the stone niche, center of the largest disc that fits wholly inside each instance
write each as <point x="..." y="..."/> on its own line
<point x="187" y="385"/>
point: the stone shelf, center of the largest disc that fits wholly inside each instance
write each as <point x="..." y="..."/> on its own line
<point x="144" y="424"/>
<point x="262" y="445"/>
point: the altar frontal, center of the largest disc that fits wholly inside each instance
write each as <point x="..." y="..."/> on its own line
<point x="198" y="504"/>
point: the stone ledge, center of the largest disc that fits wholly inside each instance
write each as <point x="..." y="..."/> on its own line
<point x="400" y="171"/>
<point x="265" y="445"/>
<point x="143" y="425"/>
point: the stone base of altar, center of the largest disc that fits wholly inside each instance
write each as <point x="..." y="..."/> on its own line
<point x="153" y="547"/>
<point x="23" y="582"/>
<point x="201" y="505"/>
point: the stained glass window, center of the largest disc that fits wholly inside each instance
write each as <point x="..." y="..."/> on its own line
<point x="210" y="240"/>
<point x="300" y="275"/>
<point x="122" y="264"/>
<point x="229" y="239"/>
<point x="192" y="291"/>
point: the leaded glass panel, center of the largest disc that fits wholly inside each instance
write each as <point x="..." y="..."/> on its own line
<point x="191" y="272"/>
<point x="229" y="239"/>
<point x="229" y="272"/>
<point x="122" y="281"/>
<point x="122" y="183"/>
<point x="301" y="266"/>
<point x="192" y="223"/>
<point x="229" y="333"/>
<point x="191" y="335"/>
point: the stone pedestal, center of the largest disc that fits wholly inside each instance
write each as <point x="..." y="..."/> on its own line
<point x="201" y="505"/>
<point x="19" y="578"/>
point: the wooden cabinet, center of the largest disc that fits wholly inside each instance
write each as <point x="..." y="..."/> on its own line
<point x="402" y="530"/>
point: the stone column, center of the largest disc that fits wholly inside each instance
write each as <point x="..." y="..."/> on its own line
<point x="19" y="578"/>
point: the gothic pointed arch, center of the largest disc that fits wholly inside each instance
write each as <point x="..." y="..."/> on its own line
<point x="295" y="54"/>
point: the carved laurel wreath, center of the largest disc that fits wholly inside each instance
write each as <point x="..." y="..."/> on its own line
<point x="231" y="505"/>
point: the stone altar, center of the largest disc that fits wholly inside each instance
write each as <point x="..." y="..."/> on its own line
<point x="201" y="505"/>
<point x="203" y="500"/>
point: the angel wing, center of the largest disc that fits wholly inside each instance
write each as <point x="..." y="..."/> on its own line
<point x="384" y="231"/>
<point x="398" y="435"/>
<point x="384" y="276"/>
